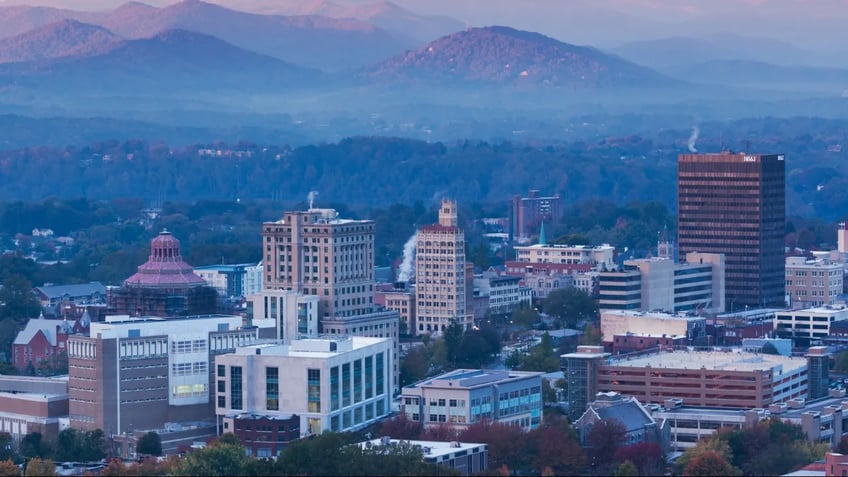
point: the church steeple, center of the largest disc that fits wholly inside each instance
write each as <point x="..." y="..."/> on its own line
<point x="542" y="239"/>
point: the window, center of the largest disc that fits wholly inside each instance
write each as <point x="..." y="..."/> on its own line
<point x="357" y="381"/>
<point x="272" y="389"/>
<point x="222" y="371"/>
<point x="222" y="386"/>
<point x="380" y="375"/>
<point x="334" y="388"/>
<point x="235" y="388"/>
<point x="346" y="385"/>
<point x="313" y="390"/>
<point x="369" y="377"/>
<point x="222" y="401"/>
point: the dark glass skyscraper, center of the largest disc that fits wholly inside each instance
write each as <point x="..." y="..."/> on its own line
<point x="735" y="204"/>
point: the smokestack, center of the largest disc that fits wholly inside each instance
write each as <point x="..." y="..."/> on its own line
<point x="407" y="267"/>
<point x="693" y="139"/>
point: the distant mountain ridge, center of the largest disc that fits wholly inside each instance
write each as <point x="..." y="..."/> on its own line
<point x="312" y="41"/>
<point x="383" y="14"/>
<point x="56" y="40"/>
<point x="504" y="56"/>
<point x="171" y="61"/>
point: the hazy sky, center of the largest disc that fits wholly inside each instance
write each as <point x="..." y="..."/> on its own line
<point x="813" y="24"/>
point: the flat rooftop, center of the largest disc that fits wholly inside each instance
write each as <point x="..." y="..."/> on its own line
<point x="654" y="315"/>
<point x="436" y="448"/>
<point x="732" y="360"/>
<point x="469" y="378"/>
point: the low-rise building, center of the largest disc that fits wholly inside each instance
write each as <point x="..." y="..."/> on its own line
<point x="93" y="293"/>
<point x="31" y="404"/>
<point x="505" y="292"/>
<point x="263" y="436"/>
<point x="812" y="283"/>
<point x="332" y="383"/>
<point x="725" y="379"/>
<point x="597" y="256"/>
<point x="295" y="314"/>
<point x="232" y="281"/>
<point x="621" y="322"/>
<point x="639" y="426"/>
<point x="465" y="396"/>
<point x="465" y="458"/>
<point x="810" y="324"/>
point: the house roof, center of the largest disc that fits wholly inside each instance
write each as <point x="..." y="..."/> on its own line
<point x="627" y="410"/>
<point x="33" y="326"/>
<point x="81" y="289"/>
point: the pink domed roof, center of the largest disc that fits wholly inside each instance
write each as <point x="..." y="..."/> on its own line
<point x="165" y="266"/>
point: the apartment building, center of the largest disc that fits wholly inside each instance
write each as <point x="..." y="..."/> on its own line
<point x="337" y="384"/>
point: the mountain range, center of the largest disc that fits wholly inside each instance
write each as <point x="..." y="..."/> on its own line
<point x="325" y="55"/>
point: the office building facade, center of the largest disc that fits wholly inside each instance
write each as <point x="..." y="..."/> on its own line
<point x="465" y="396"/>
<point x="735" y="204"/>
<point x="336" y="384"/>
<point x="140" y="373"/>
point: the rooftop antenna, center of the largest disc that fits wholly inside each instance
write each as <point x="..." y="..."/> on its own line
<point x="747" y="145"/>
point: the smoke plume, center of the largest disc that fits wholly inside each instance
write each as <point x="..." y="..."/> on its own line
<point x="311" y="197"/>
<point x="407" y="267"/>
<point x="693" y="139"/>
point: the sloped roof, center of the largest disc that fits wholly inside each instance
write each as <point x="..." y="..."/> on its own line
<point x="81" y="289"/>
<point x="33" y="326"/>
<point x="627" y="410"/>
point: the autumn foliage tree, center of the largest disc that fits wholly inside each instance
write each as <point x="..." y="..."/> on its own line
<point x="709" y="463"/>
<point x="400" y="427"/>
<point x="9" y="469"/>
<point x="648" y="457"/>
<point x="603" y="441"/>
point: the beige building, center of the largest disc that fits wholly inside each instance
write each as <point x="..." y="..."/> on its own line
<point x="660" y="284"/>
<point x="337" y="384"/>
<point x="621" y="322"/>
<point x="403" y="302"/>
<point x="441" y="285"/>
<point x="317" y="253"/>
<point x="599" y="256"/>
<point x="812" y="282"/>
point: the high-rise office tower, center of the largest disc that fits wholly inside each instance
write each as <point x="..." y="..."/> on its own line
<point x="317" y="253"/>
<point x="735" y="204"/>
<point x="440" y="281"/>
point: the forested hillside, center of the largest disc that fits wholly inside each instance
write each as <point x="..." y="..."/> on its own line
<point x="377" y="171"/>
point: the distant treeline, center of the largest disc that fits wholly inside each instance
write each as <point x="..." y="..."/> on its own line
<point x="367" y="172"/>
